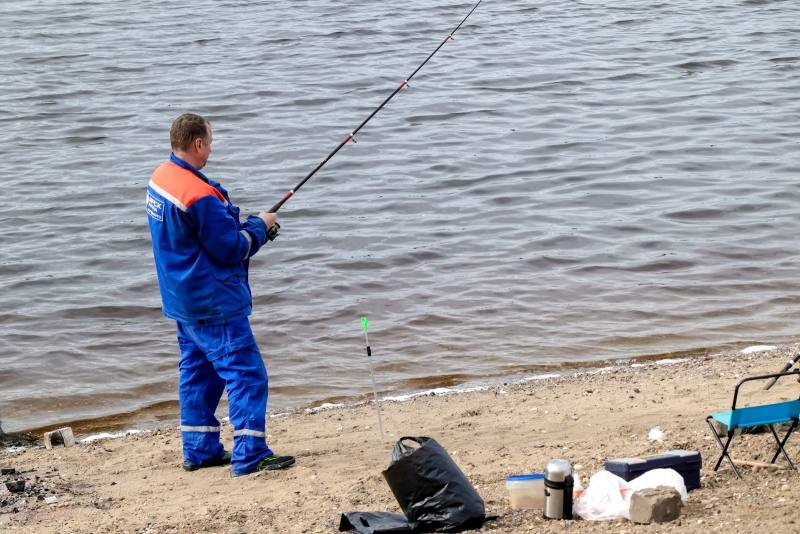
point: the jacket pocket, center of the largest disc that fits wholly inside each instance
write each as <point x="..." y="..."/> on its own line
<point x="229" y="275"/>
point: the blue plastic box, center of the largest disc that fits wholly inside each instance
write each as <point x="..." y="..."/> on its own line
<point x="687" y="463"/>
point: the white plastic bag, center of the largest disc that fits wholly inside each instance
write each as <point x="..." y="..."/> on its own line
<point x="607" y="497"/>
<point x="660" y="477"/>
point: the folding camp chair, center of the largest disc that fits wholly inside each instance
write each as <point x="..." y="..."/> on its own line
<point x="750" y="416"/>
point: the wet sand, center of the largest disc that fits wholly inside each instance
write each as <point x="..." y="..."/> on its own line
<point x="134" y="484"/>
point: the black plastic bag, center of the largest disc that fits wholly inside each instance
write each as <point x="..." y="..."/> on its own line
<point x="431" y="489"/>
<point x="376" y="523"/>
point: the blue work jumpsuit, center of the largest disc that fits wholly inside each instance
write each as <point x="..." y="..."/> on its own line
<point x="202" y="253"/>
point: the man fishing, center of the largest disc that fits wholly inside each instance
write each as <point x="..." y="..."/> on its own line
<point x="202" y="254"/>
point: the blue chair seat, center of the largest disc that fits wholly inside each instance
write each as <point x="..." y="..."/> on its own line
<point x="767" y="414"/>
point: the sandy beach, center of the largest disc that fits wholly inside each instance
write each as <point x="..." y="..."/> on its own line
<point x="134" y="484"/>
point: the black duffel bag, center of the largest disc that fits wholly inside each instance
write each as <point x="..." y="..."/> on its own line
<point x="431" y="489"/>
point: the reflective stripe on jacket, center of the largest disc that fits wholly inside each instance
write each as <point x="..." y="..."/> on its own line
<point x="201" y="249"/>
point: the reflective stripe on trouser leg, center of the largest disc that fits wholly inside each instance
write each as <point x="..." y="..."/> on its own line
<point x="199" y="390"/>
<point x="246" y="381"/>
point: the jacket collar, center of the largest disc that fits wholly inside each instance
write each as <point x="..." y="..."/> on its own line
<point x="180" y="163"/>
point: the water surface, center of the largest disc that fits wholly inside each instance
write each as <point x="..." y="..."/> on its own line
<point x="564" y="182"/>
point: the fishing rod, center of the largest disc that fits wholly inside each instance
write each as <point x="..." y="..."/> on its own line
<point x="273" y="232"/>
<point x="788" y="365"/>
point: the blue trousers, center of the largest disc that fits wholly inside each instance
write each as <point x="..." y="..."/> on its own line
<point x="216" y="358"/>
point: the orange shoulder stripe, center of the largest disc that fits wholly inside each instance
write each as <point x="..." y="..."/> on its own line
<point x="180" y="186"/>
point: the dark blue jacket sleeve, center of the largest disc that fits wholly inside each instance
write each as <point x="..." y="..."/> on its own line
<point x="219" y="231"/>
<point x="257" y="228"/>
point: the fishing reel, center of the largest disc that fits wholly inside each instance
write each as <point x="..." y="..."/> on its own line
<point x="273" y="232"/>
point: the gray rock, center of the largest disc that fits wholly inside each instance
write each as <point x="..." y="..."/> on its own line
<point x="655" y="505"/>
<point x="721" y="428"/>
<point x="62" y="436"/>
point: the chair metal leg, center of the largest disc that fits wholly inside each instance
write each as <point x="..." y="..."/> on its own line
<point x="724" y="448"/>
<point x="782" y="443"/>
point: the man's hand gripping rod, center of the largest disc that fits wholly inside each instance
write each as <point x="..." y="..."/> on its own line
<point x="273" y="231"/>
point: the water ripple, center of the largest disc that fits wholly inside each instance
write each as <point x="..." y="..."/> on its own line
<point x="563" y="182"/>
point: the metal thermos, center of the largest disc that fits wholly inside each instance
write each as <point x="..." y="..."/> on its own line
<point x="558" y="484"/>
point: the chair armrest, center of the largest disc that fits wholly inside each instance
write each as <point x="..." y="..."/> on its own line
<point x="796" y="372"/>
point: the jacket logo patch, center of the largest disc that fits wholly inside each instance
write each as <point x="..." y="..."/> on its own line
<point x="155" y="208"/>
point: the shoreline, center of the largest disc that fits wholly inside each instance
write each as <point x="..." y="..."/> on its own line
<point x="158" y="414"/>
<point x="134" y="483"/>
